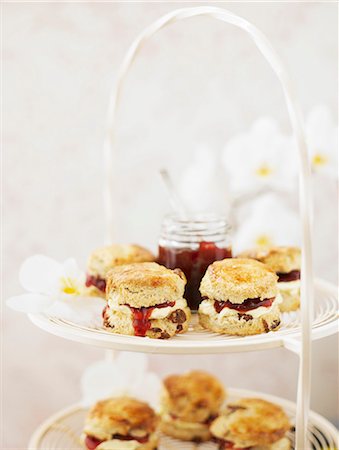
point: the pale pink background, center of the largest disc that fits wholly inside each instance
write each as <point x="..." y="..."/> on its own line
<point x="198" y="81"/>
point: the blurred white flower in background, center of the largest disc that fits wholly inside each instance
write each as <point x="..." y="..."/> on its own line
<point x="204" y="187"/>
<point x="322" y="140"/>
<point x="127" y="374"/>
<point x="54" y="288"/>
<point x="268" y="221"/>
<point x="261" y="157"/>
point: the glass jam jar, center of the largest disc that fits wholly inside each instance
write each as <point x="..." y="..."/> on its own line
<point x="192" y="245"/>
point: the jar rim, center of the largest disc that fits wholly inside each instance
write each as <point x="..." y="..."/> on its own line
<point x="196" y="228"/>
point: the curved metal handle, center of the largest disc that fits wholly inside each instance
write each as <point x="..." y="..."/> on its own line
<point x="272" y="58"/>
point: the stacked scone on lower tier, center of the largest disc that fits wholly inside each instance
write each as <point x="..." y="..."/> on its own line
<point x="252" y="424"/>
<point x="189" y="404"/>
<point x="146" y="299"/>
<point x="120" y="423"/>
<point x="240" y="298"/>
<point x="285" y="262"/>
<point x="103" y="259"/>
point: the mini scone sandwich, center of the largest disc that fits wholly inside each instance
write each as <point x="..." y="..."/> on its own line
<point x="252" y="424"/>
<point x="285" y="262"/>
<point x="120" y="423"/>
<point x="240" y="297"/>
<point x="146" y="299"/>
<point x="189" y="403"/>
<point x="103" y="259"/>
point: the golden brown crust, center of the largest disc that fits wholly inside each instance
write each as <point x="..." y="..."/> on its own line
<point x="237" y="279"/>
<point x="105" y="258"/>
<point x="192" y="397"/>
<point x="120" y="415"/>
<point x="278" y="259"/>
<point x="145" y="284"/>
<point x="251" y="422"/>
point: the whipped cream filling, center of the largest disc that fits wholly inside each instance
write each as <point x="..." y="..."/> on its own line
<point x="157" y="313"/>
<point x="207" y="307"/>
<point x="118" y="444"/>
<point x="289" y="286"/>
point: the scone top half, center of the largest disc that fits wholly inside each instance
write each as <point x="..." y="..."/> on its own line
<point x="238" y="279"/>
<point x="103" y="259"/>
<point x="120" y="419"/>
<point x="144" y="285"/>
<point x="283" y="261"/>
<point x="252" y="423"/>
<point x="192" y="397"/>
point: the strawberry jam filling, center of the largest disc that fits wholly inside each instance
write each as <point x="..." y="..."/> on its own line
<point x="228" y="445"/>
<point x="98" y="282"/>
<point x="246" y="305"/>
<point x="141" y="317"/>
<point x="92" y="443"/>
<point x="290" y="276"/>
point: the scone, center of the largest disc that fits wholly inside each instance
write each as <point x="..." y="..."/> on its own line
<point x="240" y="298"/>
<point x="252" y="424"/>
<point x="103" y="259"/>
<point x="146" y="299"/>
<point x="189" y="403"/>
<point x="120" y="423"/>
<point x="285" y="262"/>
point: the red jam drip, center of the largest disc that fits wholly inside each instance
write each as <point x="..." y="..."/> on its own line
<point x="98" y="282"/>
<point x="194" y="264"/>
<point x="290" y="276"/>
<point x="92" y="442"/>
<point x="141" y="317"/>
<point x="246" y="305"/>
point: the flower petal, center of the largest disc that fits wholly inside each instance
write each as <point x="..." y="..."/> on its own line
<point x="30" y="303"/>
<point x="80" y="310"/>
<point x="101" y="380"/>
<point x="40" y="274"/>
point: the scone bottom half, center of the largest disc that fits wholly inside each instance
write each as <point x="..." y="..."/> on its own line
<point x="121" y="423"/>
<point x="146" y="300"/>
<point x="189" y="403"/>
<point x="240" y="297"/>
<point x="103" y="259"/>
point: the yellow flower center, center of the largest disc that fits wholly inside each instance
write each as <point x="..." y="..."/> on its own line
<point x="68" y="286"/>
<point x="264" y="171"/>
<point x="319" y="160"/>
<point x="263" y="240"/>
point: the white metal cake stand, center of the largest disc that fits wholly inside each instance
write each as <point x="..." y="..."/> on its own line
<point x="315" y="319"/>
<point x="63" y="430"/>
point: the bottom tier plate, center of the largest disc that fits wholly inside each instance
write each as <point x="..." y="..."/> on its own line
<point x="62" y="431"/>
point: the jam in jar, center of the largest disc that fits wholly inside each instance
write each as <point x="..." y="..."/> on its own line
<point x="192" y="245"/>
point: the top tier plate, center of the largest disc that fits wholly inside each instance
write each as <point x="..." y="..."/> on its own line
<point x="199" y="341"/>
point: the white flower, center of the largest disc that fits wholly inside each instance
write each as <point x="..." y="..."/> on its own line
<point x="261" y="157"/>
<point x="322" y="140"/>
<point x="267" y="222"/>
<point x="203" y="186"/>
<point x="54" y="288"/>
<point x="127" y="374"/>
